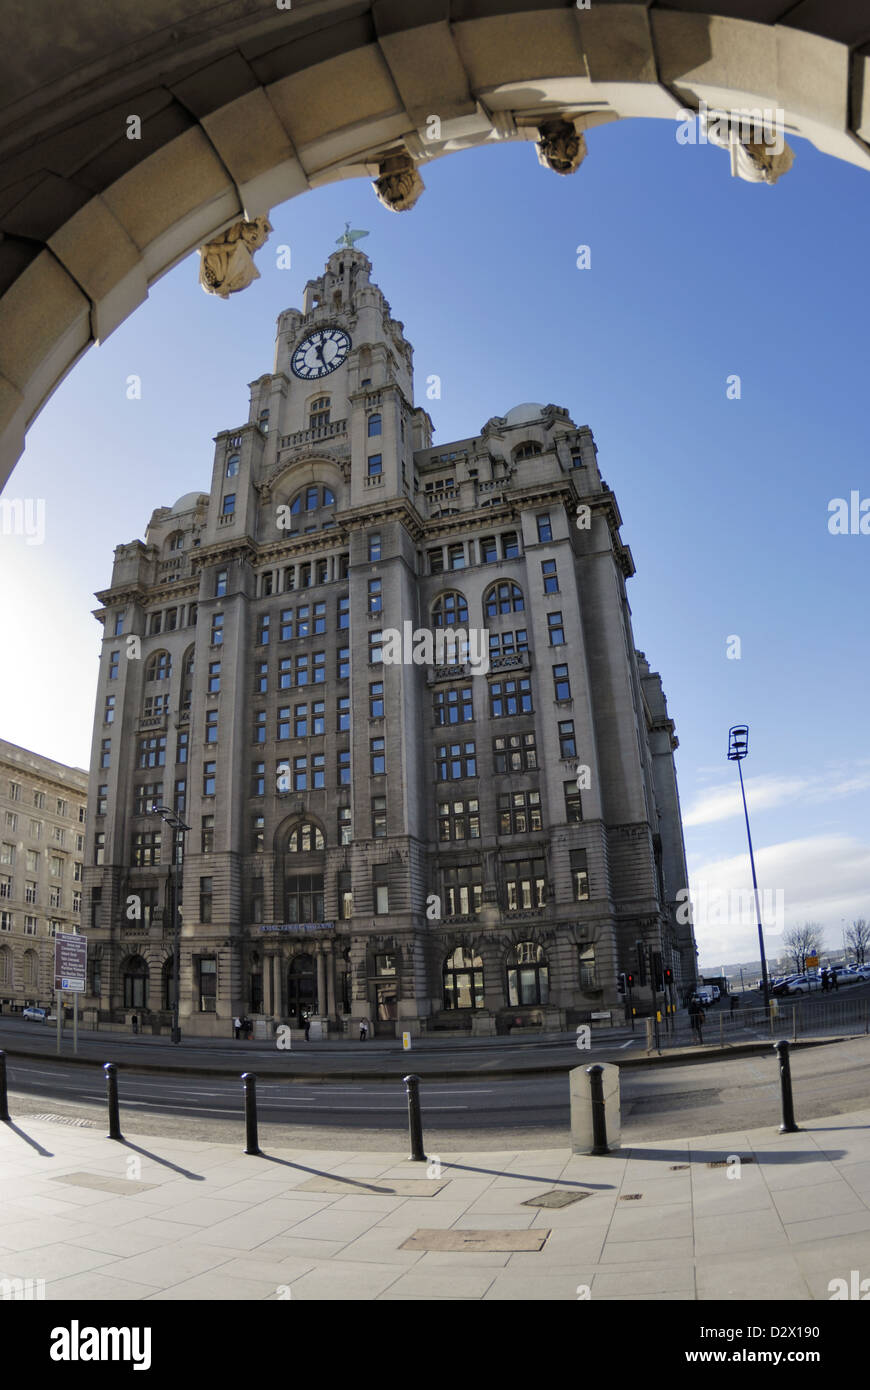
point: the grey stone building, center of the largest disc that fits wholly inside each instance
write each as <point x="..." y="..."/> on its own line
<point x="43" y="816"/>
<point x="392" y="689"/>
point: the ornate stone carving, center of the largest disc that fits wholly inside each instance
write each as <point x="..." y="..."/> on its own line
<point x="227" y="264"/>
<point x="398" y="185"/>
<point x="561" y="147"/>
<point x="754" y="162"/>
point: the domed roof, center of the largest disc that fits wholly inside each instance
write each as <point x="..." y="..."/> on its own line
<point x="521" y="414"/>
<point x="186" y="503"/>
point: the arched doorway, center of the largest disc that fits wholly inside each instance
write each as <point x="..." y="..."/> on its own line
<point x="302" y="999"/>
<point x="134" y="973"/>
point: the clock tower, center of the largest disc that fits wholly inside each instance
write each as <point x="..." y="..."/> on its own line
<point x="343" y="376"/>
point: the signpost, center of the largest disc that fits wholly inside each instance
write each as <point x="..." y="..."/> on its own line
<point x="70" y="973"/>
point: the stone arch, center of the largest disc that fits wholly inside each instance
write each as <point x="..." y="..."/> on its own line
<point x="227" y="123"/>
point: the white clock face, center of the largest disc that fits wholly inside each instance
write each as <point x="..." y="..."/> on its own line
<point x="320" y="353"/>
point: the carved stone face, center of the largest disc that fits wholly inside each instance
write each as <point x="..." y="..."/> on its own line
<point x="560" y="148"/>
<point x="398" y="185"/>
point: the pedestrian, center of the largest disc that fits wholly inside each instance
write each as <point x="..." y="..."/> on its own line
<point x="307" y="1026"/>
<point x="237" y="1028"/>
<point x="696" y="1018"/>
<point x="363" y="1030"/>
<point x="834" y="981"/>
<point x="735" y="1003"/>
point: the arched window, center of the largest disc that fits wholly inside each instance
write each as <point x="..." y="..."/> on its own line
<point x="31" y="968"/>
<point x="232" y="465"/>
<point x="305" y="506"/>
<point x="159" y="667"/>
<point x="504" y="597"/>
<point x="463" y="980"/>
<point x="5" y="965"/>
<point x="450" y="610"/>
<point x="304" y="838"/>
<point x="135" y="975"/>
<point x="527" y="450"/>
<point x="263" y="421"/>
<point x="318" y="413"/>
<point x="528" y="976"/>
<point x="176" y="540"/>
<point x="374" y="425"/>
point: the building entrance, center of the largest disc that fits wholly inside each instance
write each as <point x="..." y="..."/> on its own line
<point x="386" y="1010"/>
<point x="301" y="989"/>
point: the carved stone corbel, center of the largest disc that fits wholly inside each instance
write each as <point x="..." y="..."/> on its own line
<point x="561" y="147"/>
<point x="227" y="264"/>
<point x="398" y="185"/>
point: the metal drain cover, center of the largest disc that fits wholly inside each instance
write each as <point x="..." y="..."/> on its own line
<point x="122" y="1187"/>
<point x="507" y="1241"/>
<point x="66" y="1120"/>
<point x="557" y="1197"/>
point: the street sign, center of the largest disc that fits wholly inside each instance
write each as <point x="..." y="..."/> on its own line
<point x="812" y="960"/>
<point x="70" y="961"/>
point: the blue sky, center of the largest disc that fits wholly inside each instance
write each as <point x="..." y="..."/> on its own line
<point x="694" y="276"/>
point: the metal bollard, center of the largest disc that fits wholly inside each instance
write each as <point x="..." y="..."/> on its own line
<point x="112" y="1097"/>
<point x="415" y="1119"/>
<point x="249" y="1081"/>
<point x="599" y="1119"/>
<point x="4" y="1102"/>
<point x="788" y="1125"/>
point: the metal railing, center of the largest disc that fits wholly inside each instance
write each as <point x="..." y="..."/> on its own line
<point x="787" y="1018"/>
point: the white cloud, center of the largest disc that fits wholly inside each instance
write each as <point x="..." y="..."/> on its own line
<point x="764" y="793"/>
<point x="824" y="878"/>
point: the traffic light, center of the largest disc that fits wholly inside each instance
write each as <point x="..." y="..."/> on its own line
<point x="669" y="977"/>
<point x="630" y="980"/>
<point x="620" y="984"/>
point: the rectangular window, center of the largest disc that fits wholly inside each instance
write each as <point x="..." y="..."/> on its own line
<point x="55" y="866"/>
<point x="286" y="632"/>
<point x="146" y="848"/>
<point x="229" y="506"/>
<point x="180" y="748"/>
<point x="267" y="584"/>
<point x="300" y="774"/>
<point x="436" y="560"/>
<point x="29" y="892"/>
<point x="7" y="921"/>
<point x="545" y="530"/>
<point x="456" y="557"/>
<point x="550" y="576"/>
<point x="207" y="834"/>
<point x="519" y="813"/>
<point x="30" y="926"/>
<point x="147" y="795"/>
<point x="567" y="741"/>
<point x="376" y="700"/>
<point x="260" y="726"/>
<point x="305" y="574"/>
<point x="217" y="630"/>
<point x="14" y="791"/>
<point x="263" y="630"/>
<point x="220" y="583"/>
<point x="211" y="726"/>
<point x="510" y="697"/>
<point x="573" y="807"/>
<point x="285" y="673"/>
<point x="453" y="706"/>
<point x="586" y="963"/>
<point x="378" y="757"/>
<point x="209" y="778"/>
<point x="105" y="752"/>
<point x="561" y="683"/>
<point x="344" y="767"/>
<point x="458" y="820"/>
<point x="114" y="663"/>
<point x="103" y="799"/>
<point x="380" y="891"/>
<point x="214" y="677"/>
<point x="454" y="761"/>
<point x="258" y="830"/>
<point x="375" y="595"/>
<point x="344" y="825"/>
<point x="526" y="885"/>
<point x="515" y="753"/>
<point x="345" y="895"/>
<point x="319" y="668"/>
<point x="379" y="817"/>
<point x="579" y="876"/>
<point x="109" y="712"/>
<point x="463" y="890"/>
<point x="152" y="751"/>
<point x="555" y="630"/>
<point x="343" y="620"/>
<point x="119" y="623"/>
<point x="77" y="872"/>
<point x="31" y="861"/>
<point x="488" y="550"/>
<point x="303" y="621"/>
<point x="261" y="677"/>
<point x="376" y="650"/>
<point x="510" y="547"/>
<point x="5" y="886"/>
<point x="205" y="900"/>
<point x="374" y="545"/>
<point x="342" y="707"/>
<point x="258" y="779"/>
<point x="375" y="465"/>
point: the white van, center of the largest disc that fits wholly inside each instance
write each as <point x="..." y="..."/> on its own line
<point x="705" y="994"/>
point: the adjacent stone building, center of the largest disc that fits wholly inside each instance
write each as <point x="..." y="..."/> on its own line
<point x="43" y="815"/>
<point x="392" y="689"/>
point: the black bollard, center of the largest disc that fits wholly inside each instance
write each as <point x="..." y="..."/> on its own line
<point x="4" y="1102"/>
<point x="112" y="1097"/>
<point x="415" y="1119"/>
<point x="249" y="1081"/>
<point x="788" y="1125"/>
<point x="599" y="1121"/>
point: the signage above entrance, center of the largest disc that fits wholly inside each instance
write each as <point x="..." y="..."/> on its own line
<point x="297" y="926"/>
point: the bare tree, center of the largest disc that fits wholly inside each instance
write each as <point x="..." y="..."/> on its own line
<point x="858" y="938"/>
<point x="802" y="942"/>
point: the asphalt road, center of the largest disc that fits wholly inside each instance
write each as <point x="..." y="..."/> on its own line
<point x="659" y="1101"/>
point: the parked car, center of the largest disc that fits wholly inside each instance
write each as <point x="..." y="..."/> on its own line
<point x="802" y="984"/>
<point x="35" y="1014"/>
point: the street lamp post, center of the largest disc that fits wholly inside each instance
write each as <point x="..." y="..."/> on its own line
<point x="179" y="829"/>
<point x="738" y="747"/>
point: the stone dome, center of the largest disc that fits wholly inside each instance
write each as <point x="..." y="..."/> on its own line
<point x="522" y="414"/>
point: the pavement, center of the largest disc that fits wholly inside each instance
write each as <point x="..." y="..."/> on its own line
<point x="171" y="1219"/>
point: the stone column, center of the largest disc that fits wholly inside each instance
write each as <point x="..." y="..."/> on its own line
<point x="321" y="982"/>
<point x="280" y="963"/>
<point x="330" y="981"/>
<point x="268" y="991"/>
